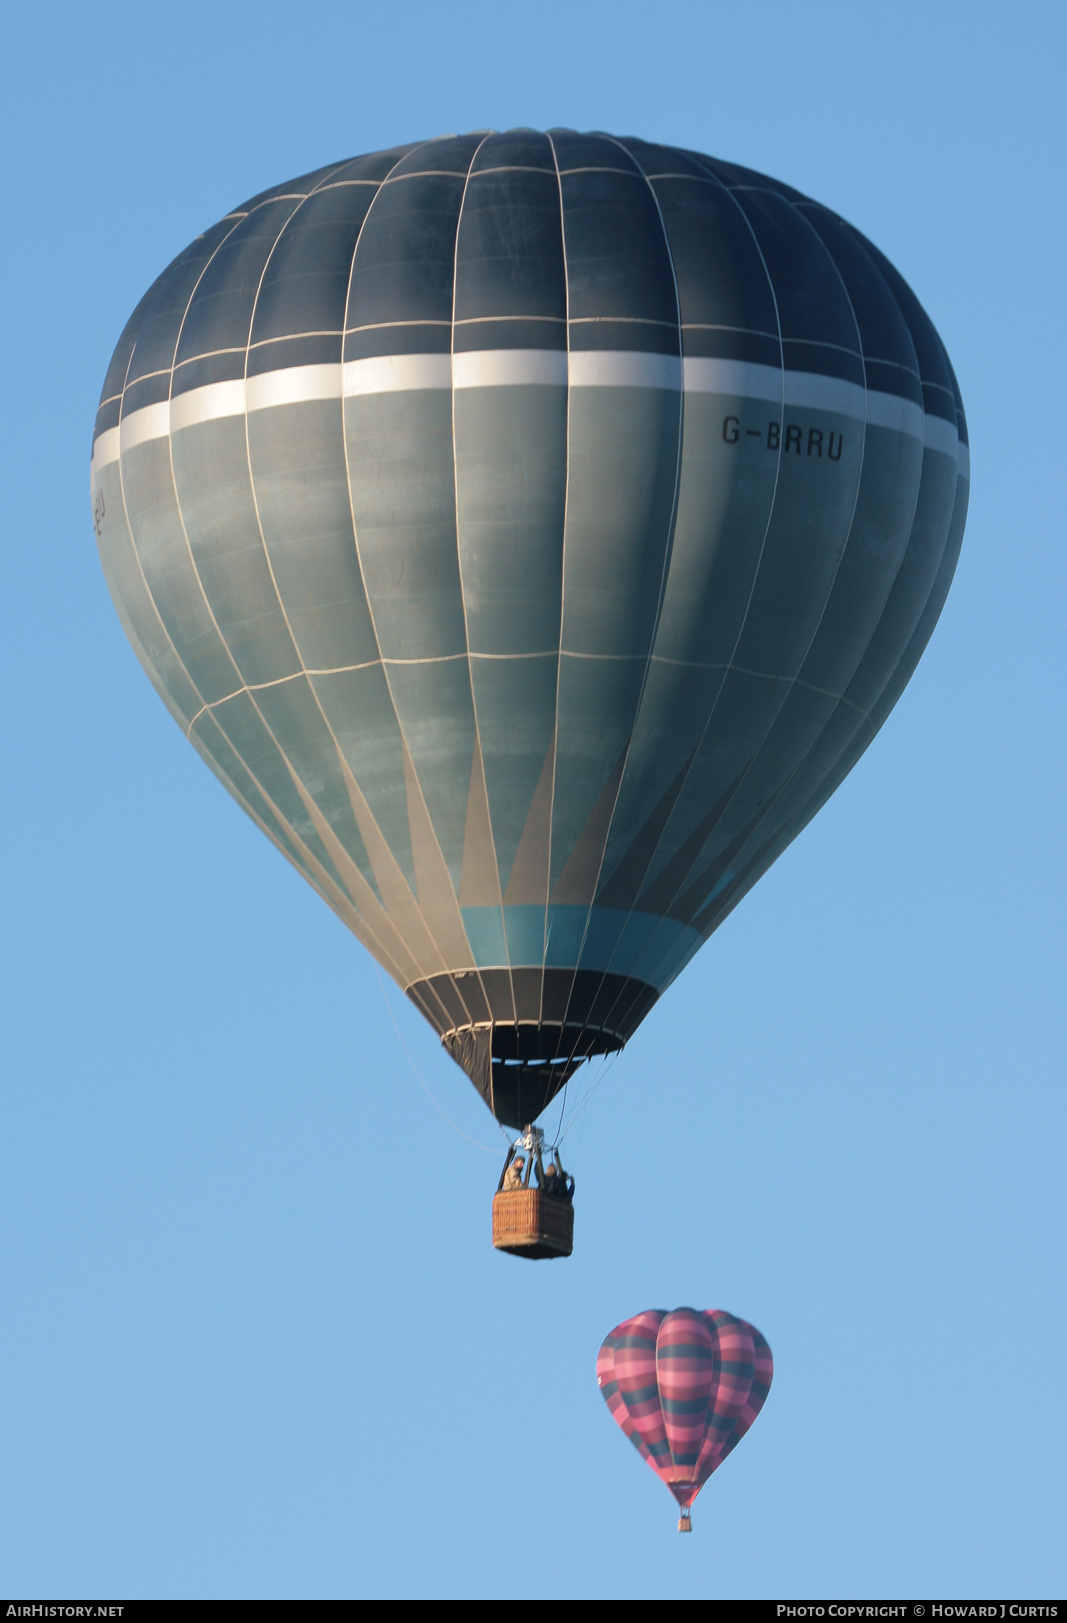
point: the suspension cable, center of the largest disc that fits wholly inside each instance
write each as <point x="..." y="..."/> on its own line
<point x="477" y="1144"/>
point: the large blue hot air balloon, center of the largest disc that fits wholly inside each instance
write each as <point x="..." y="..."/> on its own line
<point x="531" y="531"/>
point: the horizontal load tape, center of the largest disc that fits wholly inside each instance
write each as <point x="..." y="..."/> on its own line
<point x="503" y="368"/>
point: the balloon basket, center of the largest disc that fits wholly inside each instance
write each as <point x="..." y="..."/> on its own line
<point x="528" y="1223"/>
<point x="685" y="1524"/>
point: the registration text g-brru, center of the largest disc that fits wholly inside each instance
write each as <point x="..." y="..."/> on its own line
<point x="786" y="437"/>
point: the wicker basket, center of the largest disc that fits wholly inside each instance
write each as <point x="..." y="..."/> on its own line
<point x="530" y="1224"/>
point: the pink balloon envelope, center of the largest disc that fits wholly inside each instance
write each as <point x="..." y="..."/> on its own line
<point x="685" y="1387"/>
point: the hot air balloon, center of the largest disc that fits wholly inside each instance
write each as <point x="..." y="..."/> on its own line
<point x="530" y="531"/>
<point x="684" y="1387"/>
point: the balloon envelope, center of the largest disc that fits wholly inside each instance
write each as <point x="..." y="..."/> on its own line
<point x="530" y="531"/>
<point x="684" y="1387"/>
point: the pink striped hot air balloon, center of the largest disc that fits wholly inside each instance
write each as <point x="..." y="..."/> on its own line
<point x="685" y="1387"/>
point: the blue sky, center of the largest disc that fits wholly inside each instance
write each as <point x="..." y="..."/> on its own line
<point x="257" y="1342"/>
